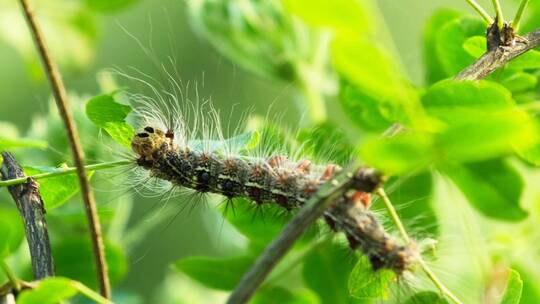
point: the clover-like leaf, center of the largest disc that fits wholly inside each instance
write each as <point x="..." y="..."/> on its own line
<point x="106" y="113"/>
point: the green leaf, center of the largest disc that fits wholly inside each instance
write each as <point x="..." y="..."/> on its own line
<point x="426" y="297"/>
<point x="55" y="191"/>
<point x="106" y="113"/>
<point x="260" y="225"/>
<point x="434" y="69"/>
<point x="10" y="143"/>
<point x="449" y="43"/>
<point x="366" y="284"/>
<point x="528" y="61"/>
<point x="72" y="256"/>
<point x="275" y="294"/>
<point x="315" y="142"/>
<point x="514" y="288"/>
<point x="529" y="276"/>
<point x="479" y="120"/>
<point x="216" y="273"/>
<point x="400" y="154"/>
<point x="244" y="142"/>
<point x="107" y="6"/>
<point x="373" y="72"/>
<point x="475" y="46"/>
<point x="412" y="197"/>
<point x="531" y="155"/>
<point x="10" y="138"/>
<point x="64" y="31"/>
<point x="520" y="82"/>
<point x="453" y="101"/>
<point x="486" y="136"/>
<point x="260" y="36"/>
<point x="11" y="230"/>
<point x="48" y="291"/>
<point x="493" y="187"/>
<point x="367" y="112"/>
<point x="341" y="15"/>
<point x="326" y="271"/>
<point x="482" y="137"/>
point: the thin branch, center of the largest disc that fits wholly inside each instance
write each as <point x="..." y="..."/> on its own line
<point x="62" y="103"/>
<point x="313" y="209"/>
<point x="30" y="205"/>
<point x="499" y="12"/>
<point x="519" y="14"/>
<point x="500" y="56"/>
<point x="64" y="171"/>
<point x="478" y="8"/>
<point x="397" y="221"/>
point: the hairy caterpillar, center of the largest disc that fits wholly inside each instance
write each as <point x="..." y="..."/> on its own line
<point x="170" y="151"/>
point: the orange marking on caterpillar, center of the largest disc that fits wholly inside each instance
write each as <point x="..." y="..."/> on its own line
<point x="277" y="161"/>
<point x="361" y="197"/>
<point x="304" y="166"/>
<point x="328" y="172"/>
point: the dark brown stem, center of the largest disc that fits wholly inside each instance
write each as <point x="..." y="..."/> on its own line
<point x="499" y="56"/>
<point x="62" y="103"/>
<point x="30" y="205"/>
<point x="313" y="209"/>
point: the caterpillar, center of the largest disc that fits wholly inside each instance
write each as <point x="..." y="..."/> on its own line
<point x="168" y="154"/>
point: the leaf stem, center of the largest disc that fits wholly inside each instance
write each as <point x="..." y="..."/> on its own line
<point x="519" y="14"/>
<point x="89" y="293"/>
<point x="11" y="275"/>
<point x="500" y="16"/>
<point x="480" y="10"/>
<point x="63" y="171"/>
<point x="397" y="221"/>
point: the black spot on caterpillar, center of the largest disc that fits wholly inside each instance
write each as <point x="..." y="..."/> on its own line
<point x="275" y="179"/>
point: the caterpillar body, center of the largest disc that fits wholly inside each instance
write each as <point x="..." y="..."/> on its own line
<point x="273" y="179"/>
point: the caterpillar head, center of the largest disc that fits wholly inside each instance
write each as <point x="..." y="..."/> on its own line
<point x="150" y="141"/>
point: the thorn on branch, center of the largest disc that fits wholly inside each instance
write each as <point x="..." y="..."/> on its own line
<point x="502" y="37"/>
<point x="507" y="47"/>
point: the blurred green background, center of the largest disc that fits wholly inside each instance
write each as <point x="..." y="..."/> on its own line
<point x="162" y="26"/>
